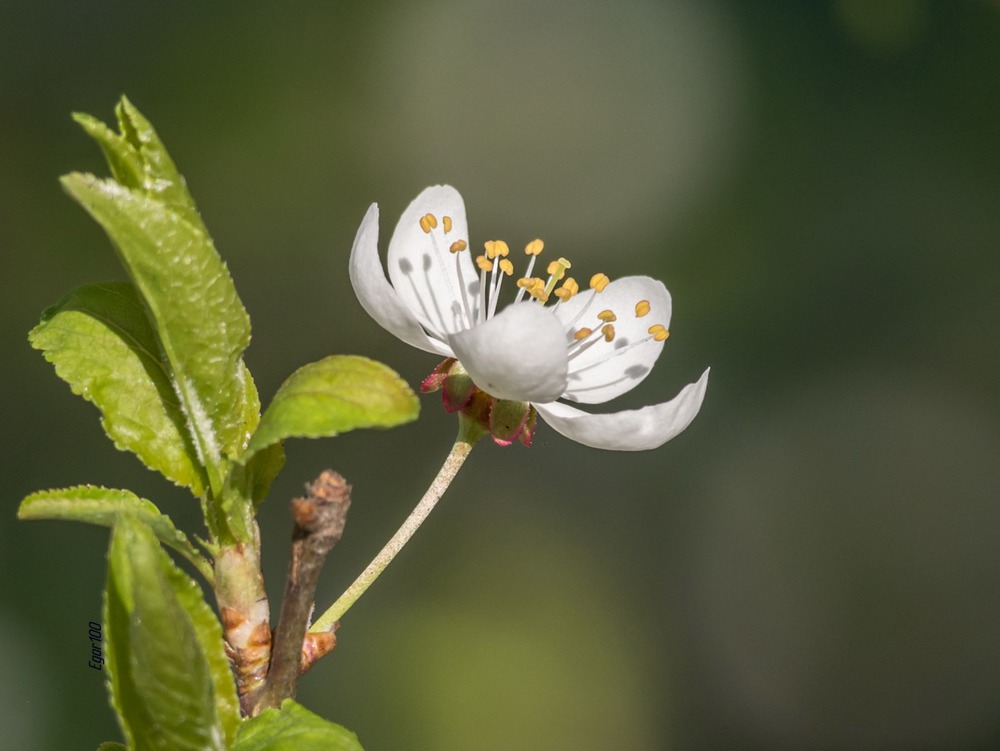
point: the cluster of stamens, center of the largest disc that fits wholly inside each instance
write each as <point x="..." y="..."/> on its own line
<point x="495" y="263"/>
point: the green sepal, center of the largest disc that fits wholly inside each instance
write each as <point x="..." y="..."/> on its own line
<point x="293" y="728"/>
<point x="528" y="434"/>
<point x="457" y="389"/>
<point x="331" y="396"/>
<point x="105" y="506"/>
<point x="170" y="682"/>
<point x="101" y="343"/>
<point x="508" y="420"/>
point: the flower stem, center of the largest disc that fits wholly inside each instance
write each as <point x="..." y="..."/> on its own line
<point x="456" y="457"/>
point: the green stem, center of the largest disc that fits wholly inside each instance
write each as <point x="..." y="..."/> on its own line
<point x="456" y="457"/>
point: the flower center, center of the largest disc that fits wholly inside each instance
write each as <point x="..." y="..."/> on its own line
<point x="494" y="264"/>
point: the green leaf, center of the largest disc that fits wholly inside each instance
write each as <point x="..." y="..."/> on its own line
<point x="334" y="395"/>
<point x="139" y="160"/>
<point x="254" y="478"/>
<point x="292" y="728"/>
<point x="251" y="406"/>
<point x="170" y="682"/>
<point x="104" y="506"/>
<point x="99" y="340"/>
<point x="200" y="322"/>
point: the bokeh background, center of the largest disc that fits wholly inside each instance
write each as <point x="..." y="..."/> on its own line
<point x="813" y="564"/>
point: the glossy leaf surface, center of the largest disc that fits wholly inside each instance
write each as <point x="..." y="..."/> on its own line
<point x="170" y="682"/>
<point x="101" y="343"/>
<point x="105" y="506"/>
<point x="293" y="728"/>
<point x="334" y="395"/>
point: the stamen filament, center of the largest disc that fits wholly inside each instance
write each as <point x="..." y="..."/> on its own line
<point x="506" y="269"/>
<point x="527" y="274"/>
<point x="460" y="271"/>
<point x="494" y="287"/>
<point x="580" y="346"/>
<point x="432" y="220"/>
<point x="615" y="353"/>
<point x="483" y="265"/>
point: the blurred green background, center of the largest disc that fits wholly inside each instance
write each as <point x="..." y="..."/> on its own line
<point x="812" y="564"/>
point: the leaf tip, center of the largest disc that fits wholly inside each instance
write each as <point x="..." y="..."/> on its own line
<point x="84" y="119"/>
<point x="72" y="181"/>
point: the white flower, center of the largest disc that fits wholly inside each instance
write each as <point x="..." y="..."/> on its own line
<point x="588" y="347"/>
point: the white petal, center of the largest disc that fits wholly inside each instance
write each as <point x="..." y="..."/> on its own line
<point x="519" y="354"/>
<point x="377" y="296"/>
<point x="632" y="429"/>
<point x="440" y="287"/>
<point x="607" y="369"/>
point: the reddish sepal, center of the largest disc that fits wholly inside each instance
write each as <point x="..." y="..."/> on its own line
<point x="529" y="427"/>
<point x="437" y="377"/>
<point x="505" y="420"/>
<point x="458" y="389"/>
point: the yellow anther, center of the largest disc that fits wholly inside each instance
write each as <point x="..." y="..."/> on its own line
<point x="568" y="289"/>
<point x="659" y="332"/>
<point x="458" y="245"/>
<point x="534" y="247"/>
<point x="425" y="224"/>
<point x="539" y="293"/>
<point x="530" y="282"/>
<point x="582" y="333"/>
<point x="556" y="269"/>
<point x="483" y="263"/>
<point x="607" y="316"/>
<point x="599" y="282"/>
<point x="446" y="221"/>
<point x="609" y="332"/>
<point x="534" y="287"/>
<point x="506" y="266"/>
<point x="641" y="308"/>
<point x="496" y="248"/>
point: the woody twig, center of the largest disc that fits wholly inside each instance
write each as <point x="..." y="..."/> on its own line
<point x="319" y="523"/>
